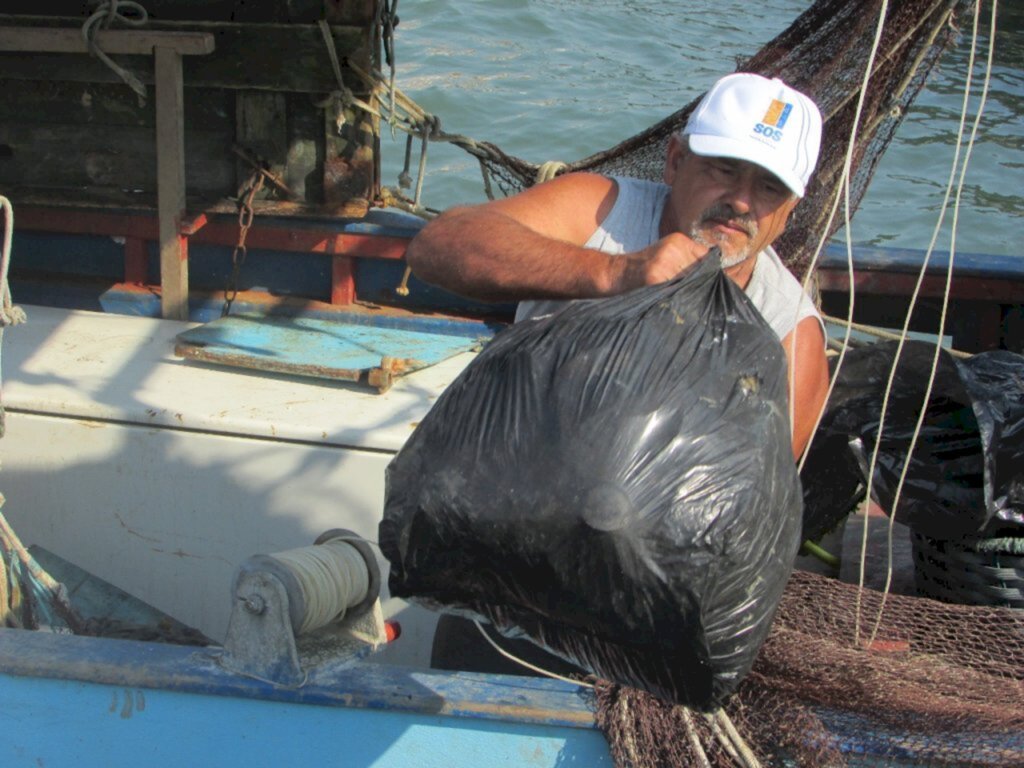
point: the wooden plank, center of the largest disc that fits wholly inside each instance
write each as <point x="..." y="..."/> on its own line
<point x="343" y="283"/>
<point x="120" y="158"/>
<point x="323" y="349"/>
<point x="350" y="11"/>
<point x="281" y="57"/>
<point x="333" y="237"/>
<point x="170" y="160"/>
<point x="111" y="41"/>
<point x="305" y="148"/>
<point x="90" y="107"/>
<point x="135" y="261"/>
<point x="266" y="11"/>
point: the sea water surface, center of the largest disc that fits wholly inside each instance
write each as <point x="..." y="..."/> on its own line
<point x="562" y="79"/>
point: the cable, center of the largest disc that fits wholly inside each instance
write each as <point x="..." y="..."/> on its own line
<point x="527" y="664"/>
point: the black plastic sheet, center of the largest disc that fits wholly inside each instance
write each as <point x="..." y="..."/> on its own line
<point x="614" y="482"/>
<point x="964" y="478"/>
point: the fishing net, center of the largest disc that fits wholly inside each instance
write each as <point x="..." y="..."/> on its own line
<point x="840" y="681"/>
<point x="823" y="53"/>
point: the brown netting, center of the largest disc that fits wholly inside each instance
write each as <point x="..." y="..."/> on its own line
<point x="823" y="53"/>
<point x="935" y="684"/>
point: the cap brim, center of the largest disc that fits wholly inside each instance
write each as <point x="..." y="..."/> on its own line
<point x="720" y="146"/>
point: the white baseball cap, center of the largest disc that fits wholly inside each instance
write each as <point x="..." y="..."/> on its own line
<point x="749" y="117"/>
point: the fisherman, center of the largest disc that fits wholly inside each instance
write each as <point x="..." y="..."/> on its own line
<point x="732" y="177"/>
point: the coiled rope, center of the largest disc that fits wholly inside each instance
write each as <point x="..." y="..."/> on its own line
<point x="333" y="577"/>
<point x="9" y="314"/>
<point x="123" y="12"/>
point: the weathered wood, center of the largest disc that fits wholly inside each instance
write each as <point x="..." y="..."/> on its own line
<point x="350" y="11"/>
<point x="278" y="11"/>
<point x="90" y="107"/>
<point x="139" y="42"/>
<point x="103" y="199"/>
<point x="305" y="148"/>
<point x="261" y="128"/>
<point x="280" y="57"/>
<point x="170" y="160"/>
<point x="92" y="159"/>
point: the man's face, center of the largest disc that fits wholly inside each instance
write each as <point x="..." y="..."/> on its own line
<point x="733" y="204"/>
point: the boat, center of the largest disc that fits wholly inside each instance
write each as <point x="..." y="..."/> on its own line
<point x="164" y="422"/>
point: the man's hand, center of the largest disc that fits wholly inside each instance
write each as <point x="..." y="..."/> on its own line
<point x="657" y="263"/>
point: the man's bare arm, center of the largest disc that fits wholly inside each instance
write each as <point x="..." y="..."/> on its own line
<point x="530" y="246"/>
<point x="808" y="378"/>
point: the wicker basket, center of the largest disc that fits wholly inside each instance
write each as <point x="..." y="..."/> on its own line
<point x="974" y="572"/>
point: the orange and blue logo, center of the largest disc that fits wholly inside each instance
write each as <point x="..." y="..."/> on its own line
<point x="774" y="120"/>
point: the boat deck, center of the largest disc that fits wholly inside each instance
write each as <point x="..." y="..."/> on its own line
<point x="161" y="475"/>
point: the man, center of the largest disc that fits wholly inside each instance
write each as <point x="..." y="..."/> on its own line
<point x="732" y="177"/>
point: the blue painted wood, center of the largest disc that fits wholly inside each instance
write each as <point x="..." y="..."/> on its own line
<point x="189" y="669"/>
<point x="909" y="260"/>
<point x="78" y="701"/>
<point x="330" y="349"/>
<point x="77" y="725"/>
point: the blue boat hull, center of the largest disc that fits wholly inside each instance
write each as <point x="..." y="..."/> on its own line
<point x="75" y="701"/>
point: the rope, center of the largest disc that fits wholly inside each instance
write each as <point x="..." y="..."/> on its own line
<point x="9" y="314"/>
<point x="528" y="665"/>
<point x="881" y="333"/>
<point x="123" y="11"/>
<point x="844" y="187"/>
<point x="949" y="279"/>
<point x="333" y="577"/>
<point x="31" y="597"/>
<point x="549" y="170"/>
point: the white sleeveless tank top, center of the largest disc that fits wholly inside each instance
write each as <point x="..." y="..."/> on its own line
<point x="632" y="224"/>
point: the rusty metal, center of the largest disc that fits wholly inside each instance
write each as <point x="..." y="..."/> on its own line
<point x="245" y="218"/>
<point x="390" y="368"/>
<point x="259" y="166"/>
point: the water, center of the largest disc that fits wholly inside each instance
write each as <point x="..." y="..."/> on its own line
<point x="562" y="79"/>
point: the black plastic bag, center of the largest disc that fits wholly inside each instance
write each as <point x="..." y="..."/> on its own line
<point x="614" y="482"/>
<point x="964" y="478"/>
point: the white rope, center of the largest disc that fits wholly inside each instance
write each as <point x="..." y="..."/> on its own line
<point x="548" y="170"/>
<point x="333" y="577"/>
<point x="844" y="187"/>
<point x="123" y="11"/>
<point x="9" y="314"/>
<point x="949" y="279"/>
<point x="528" y="665"/>
<point x="915" y="294"/>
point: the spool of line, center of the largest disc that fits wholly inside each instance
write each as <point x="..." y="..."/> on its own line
<point x="336" y="577"/>
<point x="333" y="578"/>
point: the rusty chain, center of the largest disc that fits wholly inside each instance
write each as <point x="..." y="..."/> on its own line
<point x="245" y="218"/>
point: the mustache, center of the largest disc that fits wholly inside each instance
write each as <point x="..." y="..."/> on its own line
<point x="725" y="212"/>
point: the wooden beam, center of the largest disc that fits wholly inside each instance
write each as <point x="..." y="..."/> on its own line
<point x="278" y="57"/>
<point x="343" y="283"/>
<point x="140" y="42"/>
<point x="170" y="174"/>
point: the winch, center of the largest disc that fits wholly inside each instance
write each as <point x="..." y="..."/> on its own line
<point x="302" y="608"/>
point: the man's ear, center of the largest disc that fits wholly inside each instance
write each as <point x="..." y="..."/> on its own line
<point x="676" y="151"/>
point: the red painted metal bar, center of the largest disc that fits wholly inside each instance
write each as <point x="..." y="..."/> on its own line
<point x="135" y="260"/>
<point x="343" y="284"/>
